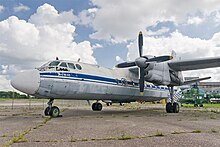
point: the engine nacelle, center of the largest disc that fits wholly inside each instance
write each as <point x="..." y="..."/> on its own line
<point x="149" y="66"/>
<point x="154" y="77"/>
<point x="157" y="73"/>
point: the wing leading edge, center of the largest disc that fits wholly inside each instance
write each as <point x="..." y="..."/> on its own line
<point x="195" y="64"/>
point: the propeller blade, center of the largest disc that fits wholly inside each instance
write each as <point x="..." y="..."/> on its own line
<point x="140" y="43"/>
<point x="160" y="59"/>
<point x="125" y="64"/>
<point x="141" y="81"/>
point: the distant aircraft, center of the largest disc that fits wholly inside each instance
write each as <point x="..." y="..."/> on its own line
<point x="148" y="78"/>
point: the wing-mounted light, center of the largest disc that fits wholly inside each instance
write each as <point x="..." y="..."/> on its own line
<point x="142" y="62"/>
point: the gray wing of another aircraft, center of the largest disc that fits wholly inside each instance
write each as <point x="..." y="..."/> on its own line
<point x="183" y="65"/>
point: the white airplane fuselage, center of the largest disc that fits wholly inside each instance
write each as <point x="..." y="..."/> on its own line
<point x="91" y="82"/>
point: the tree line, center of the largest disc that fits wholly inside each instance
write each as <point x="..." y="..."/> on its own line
<point x="11" y="94"/>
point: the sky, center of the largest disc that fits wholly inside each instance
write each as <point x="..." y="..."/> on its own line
<point x="104" y="32"/>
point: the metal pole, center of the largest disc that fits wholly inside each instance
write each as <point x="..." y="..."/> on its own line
<point x="12" y="104"/>
<point x="29" y="101"/>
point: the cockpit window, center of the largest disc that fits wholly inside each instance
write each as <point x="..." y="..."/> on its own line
<point x="63" y="64"/>
<point x="54" y="63"/>
<point x="78" y="66"/>
<point x="71" y="65"/>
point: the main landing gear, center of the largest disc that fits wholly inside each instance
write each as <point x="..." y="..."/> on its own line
<point x="172" y="107"/>
<point x="97" y="106"/>
<point x="52" y="111"/>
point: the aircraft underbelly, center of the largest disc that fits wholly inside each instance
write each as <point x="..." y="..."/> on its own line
<point x="84" y="90"/>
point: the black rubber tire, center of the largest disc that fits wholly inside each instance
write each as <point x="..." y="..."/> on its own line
<point x="201" y="105"/>
<point x="169" y="108"/>
<point x="55" y="111"/>
<point x="47" y="111"/>
<point x="94" y="106"/>
<point x="99" y="106"/>
<point x="176" y="107"/>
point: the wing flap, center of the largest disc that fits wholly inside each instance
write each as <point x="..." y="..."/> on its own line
<point x="195" y="80"/>
<point x="195" y="64"/>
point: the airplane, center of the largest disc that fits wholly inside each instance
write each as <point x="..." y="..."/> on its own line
<point x="148" y="79"/>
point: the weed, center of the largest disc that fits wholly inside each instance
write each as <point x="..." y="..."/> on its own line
<point x="176" y="132"/>
<point x="159" y="134"/>
<point x="213" y="116"/>
<point x="214" y="131"/>
<point x="196" y="131"/>
<point x="125" y="137"/>
<point x="72" y="139"/>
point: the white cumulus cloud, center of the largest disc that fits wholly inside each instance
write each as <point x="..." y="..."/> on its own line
<point x="184" y="46"/>
<point x="20" y="8"/>
<point x="195" y="20"/>
<point x="47" y="34"/>
<point x="119" y="20"/>
<point x="2" y="8"/>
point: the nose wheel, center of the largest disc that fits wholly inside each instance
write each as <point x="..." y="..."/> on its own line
<point x="52" y="111"/>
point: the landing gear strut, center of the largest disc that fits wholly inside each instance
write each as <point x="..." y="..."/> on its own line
<point x="97" y="106"/>
<point x="172" y="107"/>
<point x="52" y="111"/>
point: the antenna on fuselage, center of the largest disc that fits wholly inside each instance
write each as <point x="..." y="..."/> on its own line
<point x="78" y="60"/>
<point x="57" y="58"/>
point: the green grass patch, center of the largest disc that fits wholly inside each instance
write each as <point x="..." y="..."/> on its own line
<point x="196" y="131"/>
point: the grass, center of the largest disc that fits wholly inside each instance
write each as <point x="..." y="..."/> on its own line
<point x="214" y="131"/>
<point x="125" y="137"/>
<point x="17" y="137"/>
<point x="204" y="105"/>
<point x="46" y="119"/>
<point x="196" y="131"/>
<point x="213" y="116"/>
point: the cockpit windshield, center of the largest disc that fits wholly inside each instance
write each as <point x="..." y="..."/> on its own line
<point x="59" y="66"/>
<point x="54" y="63"/>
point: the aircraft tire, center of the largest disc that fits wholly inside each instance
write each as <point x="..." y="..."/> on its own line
<point x="46" y="111"/>
<point x="169" y="108"/>
<point x="96" y="106"/>
<point x="99" y="106"/>
<point x="55" y="111"/>
<point x="176" y="107"/>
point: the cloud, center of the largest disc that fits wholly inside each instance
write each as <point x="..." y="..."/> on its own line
<point x="185" y="47"/>
<point x="119" y="21"/>
<point x="97" y="45"/>
<point x="2" y="8"/>
<point x="20" y="8"/>
<point x="86" y="17"/>
<point x="195" y="20"/>
<point x="158" y="32"/>
<point x="46" y="35"/>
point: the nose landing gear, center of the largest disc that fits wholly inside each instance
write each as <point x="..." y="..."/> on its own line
<point x="52" y="111"/>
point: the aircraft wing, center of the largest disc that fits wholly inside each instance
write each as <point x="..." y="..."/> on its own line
<point x="195" y="80"/>
<point x="194" y="64"/>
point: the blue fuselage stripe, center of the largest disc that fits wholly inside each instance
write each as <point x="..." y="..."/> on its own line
<point x="90" y="78"/>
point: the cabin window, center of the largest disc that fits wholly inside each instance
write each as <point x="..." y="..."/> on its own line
<point x="54" y="63"/>
<point x="63" y="64"/>
<point x="71" y="66"/>
<point x="78" y="66"/>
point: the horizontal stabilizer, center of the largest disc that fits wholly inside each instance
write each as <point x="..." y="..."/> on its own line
<point x="195" y="80"/>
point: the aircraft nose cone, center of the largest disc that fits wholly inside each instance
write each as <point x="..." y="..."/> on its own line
<point x="27" y="82"/>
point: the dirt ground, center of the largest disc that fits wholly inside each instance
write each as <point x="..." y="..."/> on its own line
<point x="128" y="125"/>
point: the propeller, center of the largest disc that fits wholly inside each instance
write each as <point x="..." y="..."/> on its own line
<point x="141" y="62"/>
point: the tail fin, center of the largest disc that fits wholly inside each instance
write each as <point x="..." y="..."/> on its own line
<point x="173" y="54"/>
